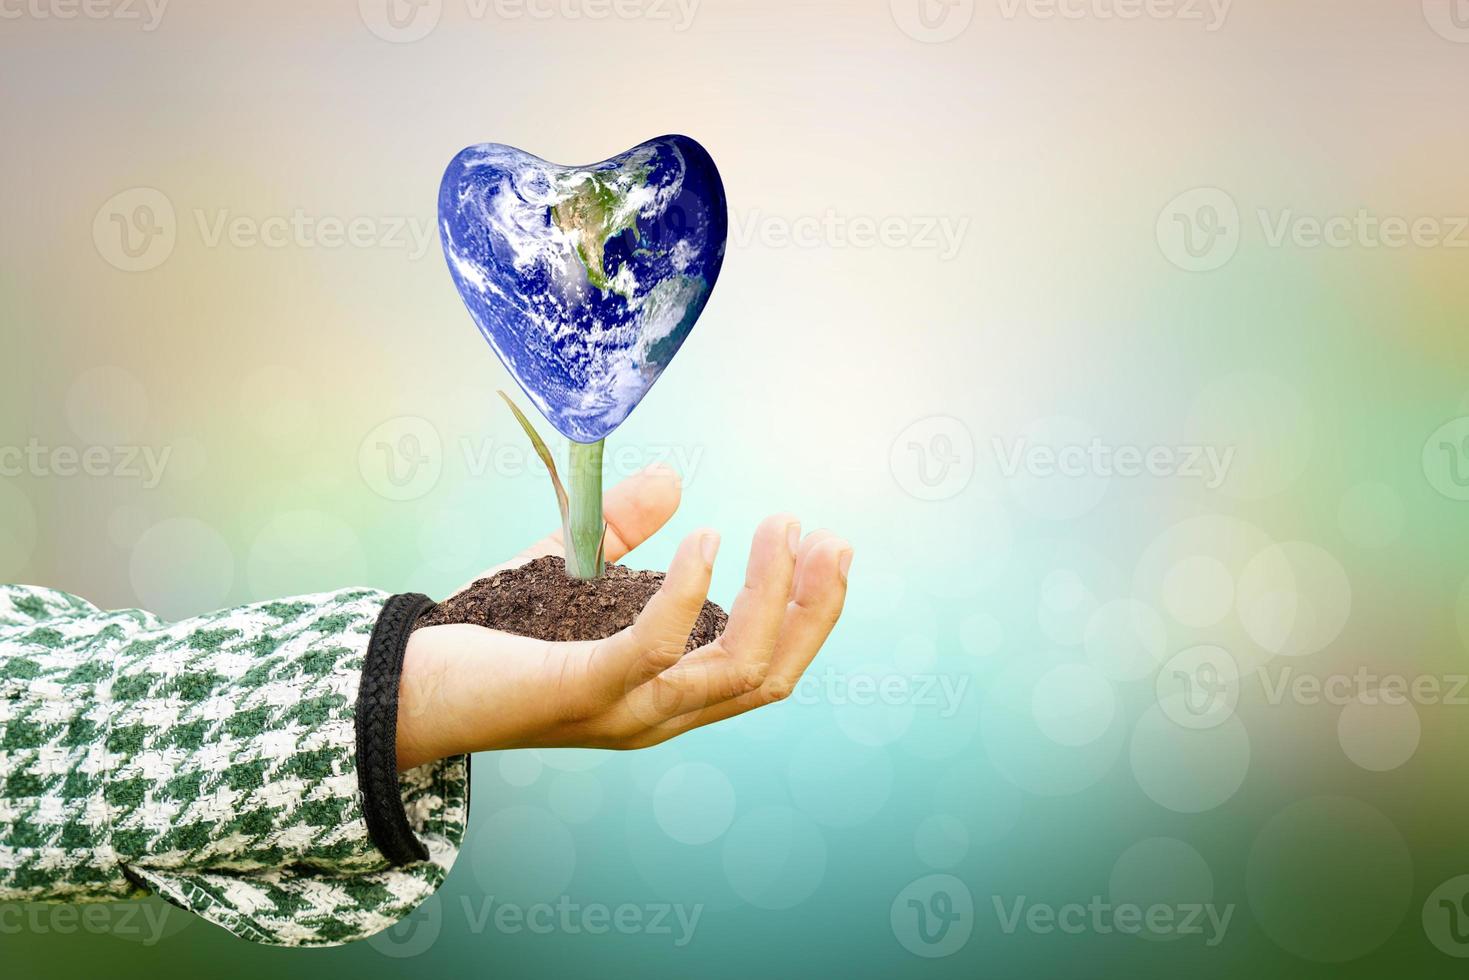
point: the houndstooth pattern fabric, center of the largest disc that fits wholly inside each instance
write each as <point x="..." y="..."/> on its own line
<point x="212" y="761"/>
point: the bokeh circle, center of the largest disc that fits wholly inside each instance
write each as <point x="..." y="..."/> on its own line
<point x="1379" y="734"/>
<point x="838" y="782"/>
<point x="523" y="855"/>
<point x="1188" y="770"/>
<point x="694" y="803"/>
<point x="774" y="857"/>
<point x="181" y="567"/>
<point x="1163" y="872"/>
<point x="1329" y="879"/>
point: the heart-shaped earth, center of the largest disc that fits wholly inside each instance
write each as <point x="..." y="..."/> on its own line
<point x="585" y="280"/>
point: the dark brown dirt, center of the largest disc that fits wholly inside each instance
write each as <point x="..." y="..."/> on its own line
<point x="539" y="600"/>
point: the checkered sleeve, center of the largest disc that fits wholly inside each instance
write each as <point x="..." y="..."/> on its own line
<point x="239" y="764"/>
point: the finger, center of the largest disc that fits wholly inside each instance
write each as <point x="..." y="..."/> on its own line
<point x="730" y="667"/>
<point x="754" y="621"/>
<point x="634" y="511"/>
<point x="803" y="563"/>
<point x="813" y="613"/>
<point x="809" y="542"/>
<point x="657" y="639"/>
<point x="690" y="686"/>
<point x="637" y="507"/>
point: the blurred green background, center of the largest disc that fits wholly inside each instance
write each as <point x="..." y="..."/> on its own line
<point x="1126" y="343"/>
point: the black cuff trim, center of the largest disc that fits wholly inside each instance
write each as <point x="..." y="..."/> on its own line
<point x="377" y="731"/>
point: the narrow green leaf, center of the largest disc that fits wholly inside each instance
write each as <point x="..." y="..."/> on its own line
<point x="546" y="457"/>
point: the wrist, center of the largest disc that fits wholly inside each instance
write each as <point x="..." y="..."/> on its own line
<point x="419" y="688"/>
<point x="468" y="689"/>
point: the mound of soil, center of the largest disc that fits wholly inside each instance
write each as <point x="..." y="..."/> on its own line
<point x="539" y="600"/>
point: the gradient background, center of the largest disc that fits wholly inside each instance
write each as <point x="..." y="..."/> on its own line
<point x="843" y="379"/>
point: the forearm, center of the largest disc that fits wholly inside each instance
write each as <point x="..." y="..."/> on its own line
<point x="187" y="755"/>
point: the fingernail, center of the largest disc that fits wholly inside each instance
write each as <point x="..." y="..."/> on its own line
<point x="844" y="562"/>
<point x="793" y="536"/>
<point x="709" y="547"/>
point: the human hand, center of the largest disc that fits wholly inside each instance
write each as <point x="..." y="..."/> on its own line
<point x="468" y="689"/>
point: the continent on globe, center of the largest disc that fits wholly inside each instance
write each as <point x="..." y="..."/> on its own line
<point x="585" y="280"/>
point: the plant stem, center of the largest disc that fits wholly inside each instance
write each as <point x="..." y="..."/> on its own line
<point x="585" y="526"/>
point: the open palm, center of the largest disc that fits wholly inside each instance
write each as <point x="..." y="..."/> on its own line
<point x="467" y="688"/>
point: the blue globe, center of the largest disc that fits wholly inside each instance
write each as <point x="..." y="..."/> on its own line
<point x="585" y="280"/>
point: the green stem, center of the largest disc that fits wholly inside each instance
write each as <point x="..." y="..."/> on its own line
<point x="585" y="525"/>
